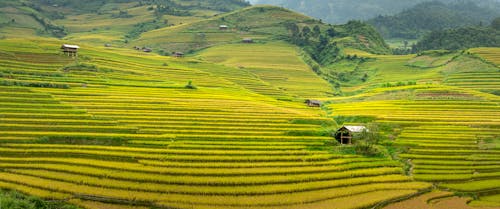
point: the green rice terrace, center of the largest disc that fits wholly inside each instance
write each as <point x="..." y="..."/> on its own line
<point x="226" y="126"/>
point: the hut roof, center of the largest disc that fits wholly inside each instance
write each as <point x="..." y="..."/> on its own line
<point x="223" y="26"/>
<point x="70" y="46"/>
<point x="312" y="101"/>
<point x="356" y="129"/>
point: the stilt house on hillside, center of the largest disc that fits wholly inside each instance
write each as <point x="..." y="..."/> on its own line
<point x="344" y="135"/>
<point x="70" y="50"/>
<point x="313" y="103"/>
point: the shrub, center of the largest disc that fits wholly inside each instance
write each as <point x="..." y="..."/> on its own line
<point x="190" y="85"/>
<point x="366" y="141"/>
<point x="81" y="66"/>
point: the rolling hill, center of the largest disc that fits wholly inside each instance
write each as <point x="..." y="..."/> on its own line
<point x="226" y="126"/>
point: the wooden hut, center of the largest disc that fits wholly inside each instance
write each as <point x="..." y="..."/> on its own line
<point x="247" y="40"/>
<point x="145" y="49"/>
<point x="313" y="103"/>
<point x="178" y="54"/>
<point x="344" y="135"/>
<point x="70" y="50"/>
<point x="223" y="27"/>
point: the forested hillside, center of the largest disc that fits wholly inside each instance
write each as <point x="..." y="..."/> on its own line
<point x="461" y="38"/>
<point x="341" y="11"/>
<point x="417" y="21"/>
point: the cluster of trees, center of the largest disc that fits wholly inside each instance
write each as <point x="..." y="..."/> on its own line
<point x="319" y="45"/>
<point x="50" y="28"/>
<point x="431" y="16"/>
<point x="461" y="38"/>
<point x="140" y="28"/>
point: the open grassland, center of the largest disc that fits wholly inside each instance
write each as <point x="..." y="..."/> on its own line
<point x="118" y="129"/>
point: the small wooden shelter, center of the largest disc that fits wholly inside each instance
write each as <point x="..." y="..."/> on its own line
<point x="145" y="49"/>
<point x="247" y="40"/>
<point x="344" y="135"/>
<point x="70" y="50"/>
<point x="178" y="54"/>
<point x="223" y="27"/>
<point x="313" y="103"/>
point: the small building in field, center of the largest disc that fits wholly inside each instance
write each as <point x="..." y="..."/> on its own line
<point x="247" y="40"/>
<point x="178" y="54"/>
<point x="107" y="45"/>
<point x="344" y="135"/>
<point x="223" y="27"/>
<point x="313" y="103"/>
<point x="70" y="50"/>
<point x="147" y="50"/>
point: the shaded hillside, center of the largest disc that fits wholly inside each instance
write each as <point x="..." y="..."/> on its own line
<point x="262" y="23"/>
<point x="341" y="11"/>
<point x="430" y="16"/>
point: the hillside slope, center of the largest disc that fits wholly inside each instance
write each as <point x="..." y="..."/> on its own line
<point x="417" y="21"/>
<point x="119" y="128"/>
<point x="261" y="24"/>
<point x="96" y="21"/>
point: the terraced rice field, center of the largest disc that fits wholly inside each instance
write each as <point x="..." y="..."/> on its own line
<point x="490" y="54"/>
<point x="126" y="132"/>
<point x="450" y="136"/>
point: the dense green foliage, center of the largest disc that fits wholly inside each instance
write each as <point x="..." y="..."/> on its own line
<point x="321" y="44"/>
<point x="461" y="38"/>
<point x="16" y="200"/>
<point x="430" y="16"/>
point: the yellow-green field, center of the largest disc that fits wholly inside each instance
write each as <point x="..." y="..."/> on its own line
<point x="278" y="64"/>
<point x="446" y="124"/>
<point x="120" y="128"/>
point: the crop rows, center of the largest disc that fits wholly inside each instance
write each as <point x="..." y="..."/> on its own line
<point x="127" y="131"/>
<point x="448" y="140"/>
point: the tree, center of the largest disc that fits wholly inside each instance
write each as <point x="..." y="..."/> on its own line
<point x="331" y="32"/>
<point x="495" y="24"/>
<point x="306" y="31"/>
<point x="365" y="141"/>
<point x="316" y="31"/>
<point x="190" y="85"/>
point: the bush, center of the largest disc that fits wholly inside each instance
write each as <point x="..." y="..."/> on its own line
<point x="81" y="66"/>
<point x="190" y="85"/>
<point x="33" y="84"/>
<point x="365" y="142"/>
